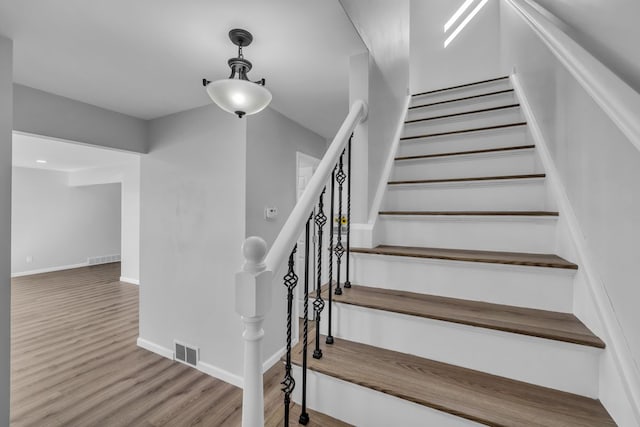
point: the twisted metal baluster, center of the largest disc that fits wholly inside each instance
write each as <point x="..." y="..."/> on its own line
<point x="329" y="339"/>
<point x="347" y="283"/>
<point x="318" y="304"/>
<point x="339" y="249"/>
<point x="304" y="416"/>
<point x="288" y="384"/>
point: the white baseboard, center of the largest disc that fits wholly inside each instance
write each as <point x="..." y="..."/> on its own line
<point x="129" y="280"/>
<point x="49" y="269"/>
<point x="220" y="374"/>
<point x="270" y="362"/>
<point x="614" y="336"/>
<point x="207" y="368"/>
<point x="155" y="348"/>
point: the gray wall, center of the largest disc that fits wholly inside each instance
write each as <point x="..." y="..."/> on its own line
<point x="607" y="28"/>
<point x="48" y="214"/>
<point x="6" y="120"/>
<point x="384" y="27"/>
<point x="272" y="143"/>
<point x="192" y="226"/>
<point x="44" y="113"/>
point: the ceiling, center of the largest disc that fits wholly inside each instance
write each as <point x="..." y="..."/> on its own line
<point x="147" y="58"/>
<point x="62" y="156"/>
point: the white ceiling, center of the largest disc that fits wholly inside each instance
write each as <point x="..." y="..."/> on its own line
<point x="146" y="58"/>
<point x="62" y="156"/>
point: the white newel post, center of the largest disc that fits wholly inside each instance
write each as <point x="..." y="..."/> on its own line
<point x="253" y="301"/>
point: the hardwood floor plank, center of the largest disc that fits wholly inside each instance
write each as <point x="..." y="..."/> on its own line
<point x="75" y="362"/>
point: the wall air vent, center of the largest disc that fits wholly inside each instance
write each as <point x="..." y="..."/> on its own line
<point x="186" y="354"/>
<point x="105" y="259"/>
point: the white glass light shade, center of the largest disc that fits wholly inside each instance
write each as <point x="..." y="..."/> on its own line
<point x="239" y="96"/>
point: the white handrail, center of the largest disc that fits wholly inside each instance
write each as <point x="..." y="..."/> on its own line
<point x="291" y="230"/>
<point x="616" y="98"/>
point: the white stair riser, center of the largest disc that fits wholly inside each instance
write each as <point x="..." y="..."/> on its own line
<point x="467" y="166"/>
<point x="361" y="406"/>
<point x="461" y="106"/>
<point x="462" y="92"/>
<point x="529" y="194"/>
<point x="511" y="234"/>
<point x="533" y="287"/>
<point x="493" y="118"/>
<point x="559" y="365"/>
<point x="508" y="137"/>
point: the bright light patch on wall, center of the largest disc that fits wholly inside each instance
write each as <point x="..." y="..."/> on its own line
<point x="462" y="9"/>
<point x="42" y="162"/>
<point x="464" y="23"/>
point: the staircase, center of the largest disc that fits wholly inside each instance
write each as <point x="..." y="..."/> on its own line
<point x="463" y="313"/>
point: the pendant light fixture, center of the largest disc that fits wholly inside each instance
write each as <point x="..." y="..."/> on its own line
<point x="237" y="94"/>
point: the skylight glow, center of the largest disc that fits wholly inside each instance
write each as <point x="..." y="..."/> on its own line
<point x="462" y="9"/>
<point x="42" y="162"/>
<point x="464" y="23"/>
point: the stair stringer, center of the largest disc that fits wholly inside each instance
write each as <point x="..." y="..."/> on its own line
<point x="619" y="382"/>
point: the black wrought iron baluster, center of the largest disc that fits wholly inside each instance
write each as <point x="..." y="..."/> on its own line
<point x="347" y="282"/>
<point x="288" y="384"/>
<point x="339" y="249"/>
<point x="304" y="416"/>
<point x="329" y="339"/>
<point x="318" y="304"/>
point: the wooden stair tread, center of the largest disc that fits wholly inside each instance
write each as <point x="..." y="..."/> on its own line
<point x="470" y="394"/>
<point x="482" y="95"/>
<point x="457" y="132"/>
<point x="471" y="213"/>
<point x="525" y="321"/>
<point x="470" y="179"/>
<point x="461" y="86"/>
<point x="465" y="153"/>
<point x="492" y="257"/>
<point x="464" y="113"/>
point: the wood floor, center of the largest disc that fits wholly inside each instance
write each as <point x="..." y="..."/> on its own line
<point x="75" y="362"/>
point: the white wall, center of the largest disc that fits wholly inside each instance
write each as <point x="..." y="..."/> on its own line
<point x="607" y="28"/>
<point x="600" y="171"/>
<point x="128" y="175"/>
<point x="192" y="225"/>
<point x="58" y="225"/>
<point x="272" y="143"/>
<point x="43" y="113"/>
<point x="384" y="28"/>
<point x="6" y="121"/>
<point x="473" y="55"/>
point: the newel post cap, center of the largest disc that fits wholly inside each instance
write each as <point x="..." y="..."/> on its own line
<point x="253" y="283"/>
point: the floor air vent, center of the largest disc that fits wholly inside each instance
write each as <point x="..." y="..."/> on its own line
<point x="186" y="354"/>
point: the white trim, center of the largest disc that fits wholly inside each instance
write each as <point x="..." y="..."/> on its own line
<point x="129" y="280"/>
<point x="154" y="348"/>
<point x="203" y="367"/>
<point x="388" y="167"/>
<point x="616" y="98"/>
<point x="268" y="364"/>
<point x="615" y="339"/>
<point x="49" y="269"/>
<point x="286" y="239"/>
<point x="220" y="374"/>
